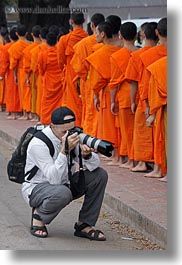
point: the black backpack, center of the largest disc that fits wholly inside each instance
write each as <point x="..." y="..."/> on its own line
<point x="16" y="165"/>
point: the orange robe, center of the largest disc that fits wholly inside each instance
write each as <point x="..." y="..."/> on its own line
<point x="12" y="96"/>
<point x="2" y="83"/>
<point x="26" y="65"/>
<point x="52" y="88"/>
<point x="81" y="67"/>
<point x="16" y="61"/>
<point x="35" y="54"/>
<point x="142" y="135"/>
<point x="72" y="97"/>
<point x="119" y="62"/>
<point x="149" y="57"/>
<point x="157" y="96"/>
<point x="100" y="74"/>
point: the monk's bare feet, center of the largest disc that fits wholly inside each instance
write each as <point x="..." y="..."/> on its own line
<point x="23" y="118"/>
<point x="164" y="179"/>
<point x="140" y="167"/>
<point x="11" y="117"/>
<point x="153" y="174"/>
<point x="114" y="163"/>
<point x="156" y="173"/>
<point x="129" y="164"/>
<point x="105" y="158"/>
<point x="34" y="119"/>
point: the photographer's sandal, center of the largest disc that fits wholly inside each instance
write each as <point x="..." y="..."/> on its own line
<point x="92" y="234"/>
<point x="35" y="230"/>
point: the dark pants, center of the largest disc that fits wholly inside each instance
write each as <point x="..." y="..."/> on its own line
<point x="50" y="199"/>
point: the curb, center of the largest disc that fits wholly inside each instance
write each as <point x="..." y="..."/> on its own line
<point x="126" y="214"/>
<point x="140" y="223"/>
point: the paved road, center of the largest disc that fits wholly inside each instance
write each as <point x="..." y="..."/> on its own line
<point x="15" y="220"/>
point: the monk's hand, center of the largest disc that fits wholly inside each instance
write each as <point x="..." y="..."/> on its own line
<point x="86" y="151"/>
<point x="16" y="79"/>
<point x="114" y="108"/>
<point x="72" y="139"/>
<point x="96" y="102"/>
<point x="133" y="107"/>
<point x="28" y="82"/>
<point x="150" y="120"/>
<point x="1" y="78"/>
<point x="147" y="111"/>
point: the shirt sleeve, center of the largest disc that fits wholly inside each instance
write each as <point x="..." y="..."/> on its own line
<point x="92" y="163"/>
<point x="54" y="171"/>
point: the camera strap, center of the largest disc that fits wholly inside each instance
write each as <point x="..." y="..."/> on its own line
<point x="69" y="155"/>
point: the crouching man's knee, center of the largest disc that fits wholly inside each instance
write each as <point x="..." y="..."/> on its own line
<point x="102" y="175"/>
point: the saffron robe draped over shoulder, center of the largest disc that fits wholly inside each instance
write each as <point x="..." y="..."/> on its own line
<point x="16" y="62"/>
<point x="52" y="88"/>
<point x="100" y="74"/>
<point x="12" y="95"/>
<point x="81" y="67"/>
<point x="142" y="135"/>
<point x="65" y="46"/>
<point x="157" y="97"/>
<point x="149" y="57"/>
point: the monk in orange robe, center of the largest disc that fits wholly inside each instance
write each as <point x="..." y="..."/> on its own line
<point x="120" y="91"/>
<point x="149" y="57"/>
<point x="35" y="54"/>
<point x="3" y="33"/>
<point x="2" y="83"/>
<point x="30" y="92"/>
<point x="16" y="62"/>
<point x="12" y="96"/>
<point x="142" y="135"/>
<point x="99" y="79"/>
<point x="82" y="50"/>
<point x="157" y="97"/>
<point x="152" y="55"/>
<point x="52" y="88"/>
<point x="72" y="97"/>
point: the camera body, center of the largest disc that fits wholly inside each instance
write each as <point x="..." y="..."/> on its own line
<point x="74" y="130"/>
<point x="102" y="146"/>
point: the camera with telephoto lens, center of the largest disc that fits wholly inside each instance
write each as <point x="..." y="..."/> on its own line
<point x="102" y="146"/>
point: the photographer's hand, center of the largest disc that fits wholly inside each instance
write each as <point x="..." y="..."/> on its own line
<point x="73" y="140"/>
<point x="86" y="151"/>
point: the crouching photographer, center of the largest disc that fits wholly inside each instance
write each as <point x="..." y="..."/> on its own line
<point x="73" y="171"/>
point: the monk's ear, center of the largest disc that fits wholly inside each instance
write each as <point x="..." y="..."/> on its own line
<point x="92" y="26"/>
<point x="156" y="32"/>
<point x="71" y="21"/>
<point x="102" y="34"/>
<point x="120" y="36"/>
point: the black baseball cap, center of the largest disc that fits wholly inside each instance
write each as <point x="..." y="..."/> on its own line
<point x="59" y="114"/>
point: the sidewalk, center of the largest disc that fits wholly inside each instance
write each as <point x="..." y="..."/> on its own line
<point x="135" y="200"/>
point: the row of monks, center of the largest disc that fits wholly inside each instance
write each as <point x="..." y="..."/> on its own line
<point x="117" y="91"/>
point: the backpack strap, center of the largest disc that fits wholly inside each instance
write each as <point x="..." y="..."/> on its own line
<point x="40" y="135"/>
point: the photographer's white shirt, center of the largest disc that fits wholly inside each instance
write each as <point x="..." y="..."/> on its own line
<point x="51" y="169"/>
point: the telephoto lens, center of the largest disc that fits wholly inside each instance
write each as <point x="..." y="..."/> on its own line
<point x="102" y="146"/>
